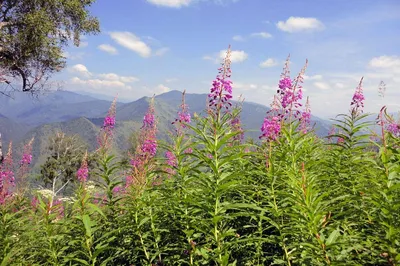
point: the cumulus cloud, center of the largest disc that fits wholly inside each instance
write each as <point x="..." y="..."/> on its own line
<point x="161" y="51"/>
<point x="171" y="3"/>
<point x="298" y="24"/>
<point x="238" y="38"/>
<point x="161" y="89"/>
<point x="108" y="49"/>
<point x="244" y="86"/>
<point x="385" y="62"/>
<point x="131" y="42"/>
<point x="315" y="77"/>
<point x="236" y="56"/>
<point x="115" y="77"/>
<point x="81" y="70"/>
<point x="99" y="84"/>
<point x="270" y="62"/>
<point x="322" y="85"/>
<point x="264" y="35"/>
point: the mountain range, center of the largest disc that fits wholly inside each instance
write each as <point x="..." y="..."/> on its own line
<point x="23" y="117"/>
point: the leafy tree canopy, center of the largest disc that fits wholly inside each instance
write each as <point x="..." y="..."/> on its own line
<point x="33" y="34"/>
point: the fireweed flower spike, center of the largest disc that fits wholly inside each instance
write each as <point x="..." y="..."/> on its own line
<point x="236" y="123"/>
<point x="290" y="91"/>
<point x="271" y="128"/>
<point x="221" y="90"/>
<point x="305" y="117"/>
<point x="106" y="134"/>
<point x="83" y="172"/>
<point x="357" y="103"/>
<point x="184" y="116"/>
<point x="146" y="148"/>
<point x="7" y="179"/>
<point x="26" y="159"/>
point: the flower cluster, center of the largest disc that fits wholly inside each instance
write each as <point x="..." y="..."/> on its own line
<point x="290" y="91"/>
<point x="105" y="138"/>
<point x="305" y="117"/>
<point x="184" y="116"/>
<point x="271" y="128"/>
<point x="7" y="178"/>
<point x="221" y="90"/>
<point x="394" y="128"/>
<point x="171" y="159"/>
<point x="150" y="147"/>
<point x="83" y="172"/>
<point x="357" y="102"/>
<point x="26" y="159"/>
<point x="237" y="126"/>
<point x="146" y="148"/>
<point x="109" y="122"/>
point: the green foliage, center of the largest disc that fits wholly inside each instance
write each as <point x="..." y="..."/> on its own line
<point x="294" y="201"/>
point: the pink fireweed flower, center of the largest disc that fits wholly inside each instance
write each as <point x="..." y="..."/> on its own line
<point x="184" y="116"/>
<point x="109" y="122"/>
<point x="150" y="147"/>
<point x="357" y="102"/>
<point x="221" y="90"/>
<point x="305" y="117"/>
<point x="26" y="159"/>
<point x="27" y="154"/>
<point x="106" y="135"/>
<point x="290" y="91"/>
<point x="7" y="179"/>
<point x="146" y="148"/>
<point x="188" y="151"/>
<point x="171" y="159"/>
<point x="271" y="128"/>
<point x="237" y="126"/>
<point x="83" y="172"/>
<point x="394" y="129"/>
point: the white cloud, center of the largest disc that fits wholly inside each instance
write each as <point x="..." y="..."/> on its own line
<point x="99" y="84"/>
<point x="115" y="77"/>
<point x="339" y="85"/>
<point x="236" y="56"/>
<point x="83" y="44"/>
<point x="244" y="86"/>
<point x="238" y="38"/>
<point x="264" y="35"/>
<point x="315" y="77"/>
<point x="322" y="85"/>
<point x="108" y="48"/>
<point x="298" y="24"/>
<point x="270" y="62"/>
<point x="171" y="3"/>
<point x="161" y="51"/>
<point x="162" y="89"/>
<point x="384" y="62"/>
<point x="132" y="42"/>
<point x="81" y="70"/>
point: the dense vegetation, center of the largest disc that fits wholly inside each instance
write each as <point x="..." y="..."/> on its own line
<point x="206" y="197"/>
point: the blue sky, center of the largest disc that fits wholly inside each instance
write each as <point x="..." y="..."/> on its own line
<point x="149" y="47"/>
